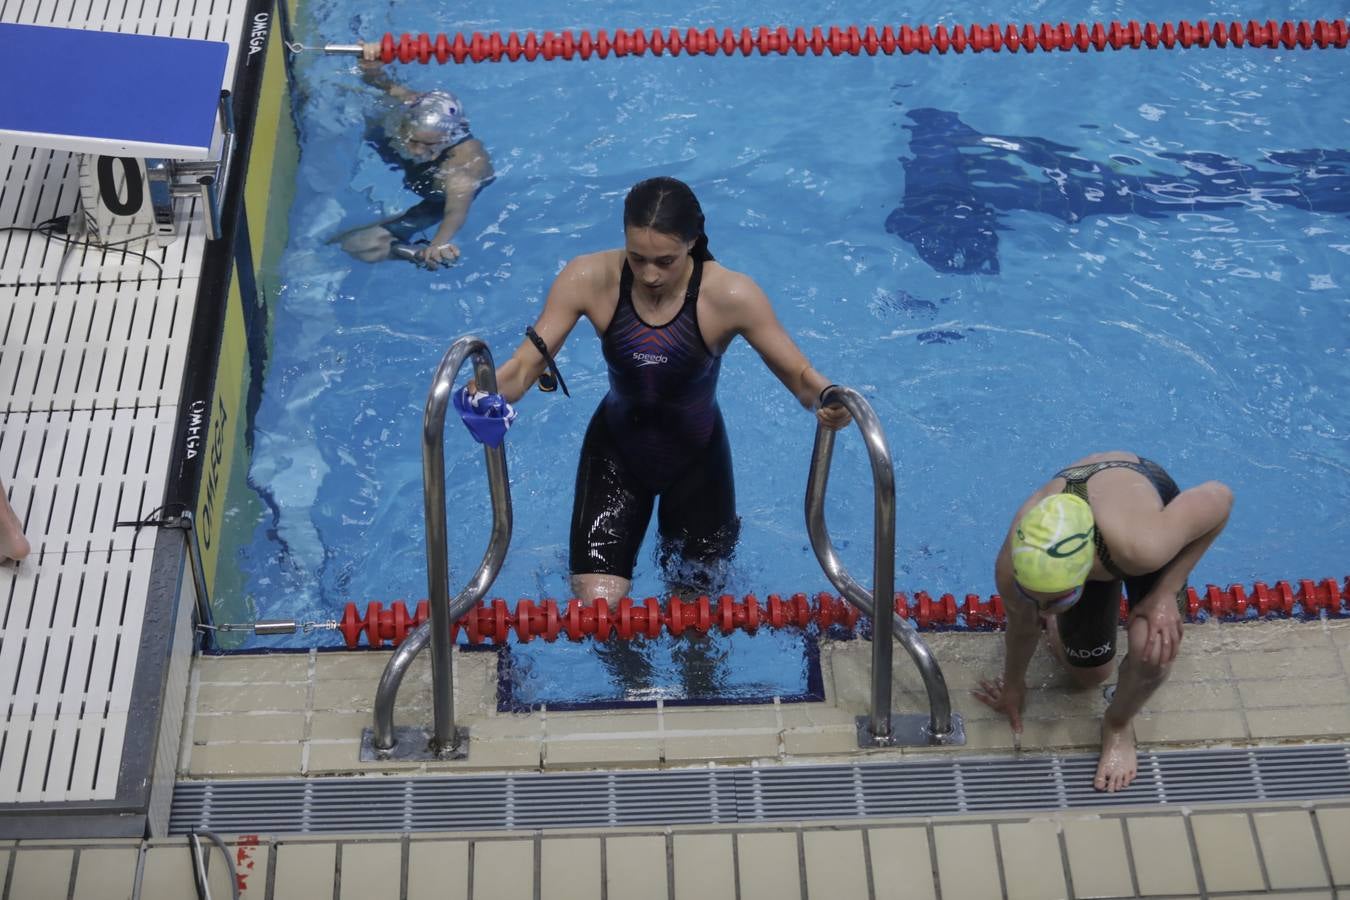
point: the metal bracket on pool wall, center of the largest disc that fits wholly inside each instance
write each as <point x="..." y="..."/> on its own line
<point x="413" y="742"/>
<point x="911" y="730"/>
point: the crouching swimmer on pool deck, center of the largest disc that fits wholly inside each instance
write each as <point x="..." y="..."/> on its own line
<point x="1107" y="519"/>
<point x="665" y="312"/>
<point x="426" y="136"/>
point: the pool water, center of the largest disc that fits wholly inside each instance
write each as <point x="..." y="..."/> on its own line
<point x="1018" y="260"/>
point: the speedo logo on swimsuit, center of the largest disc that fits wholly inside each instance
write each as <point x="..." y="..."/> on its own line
<point x="1091" y="653"/>
<point x="649" y="359"/>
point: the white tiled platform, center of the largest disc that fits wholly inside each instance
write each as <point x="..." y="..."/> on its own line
<point x="92" y="346"/>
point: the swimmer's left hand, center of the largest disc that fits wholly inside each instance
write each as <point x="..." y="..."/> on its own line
<point x="833" y="417"/>
<point x="439" y="255"/>
<point x="1155" y="625"/>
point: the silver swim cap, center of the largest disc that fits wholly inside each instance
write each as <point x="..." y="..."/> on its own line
<point x="438" y="111"/>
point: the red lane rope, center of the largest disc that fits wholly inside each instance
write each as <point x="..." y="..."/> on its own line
<point x="627" y="618"/>
<point x="837" y="40"/>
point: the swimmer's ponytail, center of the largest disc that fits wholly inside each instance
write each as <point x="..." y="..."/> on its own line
<point x="700" y="250"/>
<point x="669" y="206"/>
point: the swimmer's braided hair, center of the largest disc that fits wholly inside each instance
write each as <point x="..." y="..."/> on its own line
<point x="669" y="206"/>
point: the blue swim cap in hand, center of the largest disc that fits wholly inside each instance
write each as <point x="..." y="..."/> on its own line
<point x="487" y="416"/>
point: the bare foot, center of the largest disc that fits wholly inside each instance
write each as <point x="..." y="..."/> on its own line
<point x="1119" y="762"/>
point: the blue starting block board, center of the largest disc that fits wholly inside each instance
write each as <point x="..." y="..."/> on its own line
<point x="109" y="93"/>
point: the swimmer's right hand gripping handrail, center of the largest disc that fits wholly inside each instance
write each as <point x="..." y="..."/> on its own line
<point x="446" y="739"/>
<point x="940" y="728"/>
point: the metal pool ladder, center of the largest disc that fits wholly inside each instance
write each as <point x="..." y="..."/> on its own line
<point x="880" y="729"/>
<point x="445" y="741"/>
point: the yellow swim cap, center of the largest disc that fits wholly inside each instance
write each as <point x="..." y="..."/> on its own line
<point x="1052" y="548"/>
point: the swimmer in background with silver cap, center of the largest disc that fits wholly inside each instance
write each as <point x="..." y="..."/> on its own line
<point x="1108" y="519"/>
<point x="426" y="134"/>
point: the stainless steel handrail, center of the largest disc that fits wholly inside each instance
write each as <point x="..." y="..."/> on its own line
<point x="883" y="568"/>
<point x="445" y="738"/>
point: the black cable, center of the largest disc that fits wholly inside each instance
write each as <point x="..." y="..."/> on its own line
<point x="51" y="235"/>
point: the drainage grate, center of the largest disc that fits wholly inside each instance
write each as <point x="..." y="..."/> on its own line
<point x="948" y="786"/>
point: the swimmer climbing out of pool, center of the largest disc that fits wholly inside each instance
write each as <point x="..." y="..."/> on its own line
<point x="426" y="135"/>
<point x="665" y="312"/>
<point x="1109" y="518"/>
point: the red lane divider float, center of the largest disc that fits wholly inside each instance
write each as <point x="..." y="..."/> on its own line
<point x="836" y="40"/>
<point x="628" y="618"/>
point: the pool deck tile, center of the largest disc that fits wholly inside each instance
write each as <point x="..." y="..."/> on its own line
<point x="619" y="723"/>
<point x="1033" y="866"/>
<point x="1161" y="850"/>
<point x="344" y="757"/>
<point x="835" y="864"/>
<point x="496" y="753"/>
<point x="902" y="863"/>
<point x="280" y="668"/>
<point x="503" y="869"/>
<point x="368" y="868"/>
<point x="768" y="865"/>
<point x="236" y="698"/>
<point x="705" y="866"/>
<point x="339" y="726"/>
<point x="1333" y="822"/>
<point x="636" y="868"/>
<point x="1281" y="661"/>
<point x="591" y="753"/>
<point x="723" y="746"/>
<point x="967" y="863"/>
<point x="107" y="873"/>
<point x="167" y="871"/>
<point x="1289" y="848"/>
<point x="820" y="741"/>
<point x="1098" y="861"/>
<point x="438" y="870"/>
<point x="813" y="715"/>
<point x="247" y="759"/>
<point x="1080" y="732"/>
<point x="249" y="726"/>
<point x="1227" y="851"/>
<point x="723" y="718"/>
<point x="1305" y="692"/>
<point x="43" y="873"/>
<point x="569" y="869"/>
<point x="1297" y="722"/>
<point x="251" y="856"/>
<point x="1190" y="727"/>
<point x="304" y="870"/>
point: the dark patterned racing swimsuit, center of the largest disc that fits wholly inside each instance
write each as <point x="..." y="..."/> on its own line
<point x="1088" y="628"/>
<point x="658" y="432"/>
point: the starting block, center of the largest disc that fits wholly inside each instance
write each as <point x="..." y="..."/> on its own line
<point x="142" y="110"/>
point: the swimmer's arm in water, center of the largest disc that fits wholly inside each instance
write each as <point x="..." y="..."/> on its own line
<point x="462" y="174"/>
<point x="754" y="319"/>
<point x="569" y="299"/>
<point x="373" y="72"/>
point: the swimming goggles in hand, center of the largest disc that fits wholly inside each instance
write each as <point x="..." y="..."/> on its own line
<point x="551" y="380"/>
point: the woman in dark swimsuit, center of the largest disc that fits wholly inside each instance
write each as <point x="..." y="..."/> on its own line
<point x="1109" y="519"/>
<point x="665" y="312"/>
<point x="426" y="137"/>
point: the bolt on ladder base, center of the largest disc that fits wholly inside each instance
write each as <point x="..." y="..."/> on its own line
<point x="412" y="742"/>
<point x="911" y="731"/>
